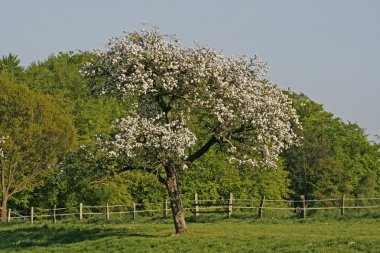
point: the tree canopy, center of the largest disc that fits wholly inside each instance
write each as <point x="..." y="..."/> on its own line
<point x="334" y="157"/>
<point x="174" y="88"/>
<point x="35" y="134"/>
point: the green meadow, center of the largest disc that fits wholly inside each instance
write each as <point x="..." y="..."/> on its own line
<point x="156" y="235"/>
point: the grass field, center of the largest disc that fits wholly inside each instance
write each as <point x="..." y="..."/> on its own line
<point x="156" y="235"/>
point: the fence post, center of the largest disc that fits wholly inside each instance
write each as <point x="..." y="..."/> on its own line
<point x="196" y="206"/>
<point x="230" y="202"/>
<point x="260" y="214"/>
<point x="342" y="208"/>
<point x="31" y="215"/>
<point x="294" y="206"/>
<point x="134" y="210"/>
<point x="165" y="208"/>
<point x="107" y="212"/>
<point x="303" y="206"/>
<point x="9" y="215"/>
<point x="81" y="211"/>
<point x="54" y="215"/>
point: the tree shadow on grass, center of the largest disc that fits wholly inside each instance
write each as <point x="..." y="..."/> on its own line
<point x="44" y="236"/>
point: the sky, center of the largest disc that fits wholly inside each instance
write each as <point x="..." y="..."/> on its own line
<point x="327" y="49"/>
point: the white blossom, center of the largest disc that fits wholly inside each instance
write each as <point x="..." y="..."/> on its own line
<point x="250" y="115"/>
<point x="136" y="132"/>
<point x="2" y="141"/>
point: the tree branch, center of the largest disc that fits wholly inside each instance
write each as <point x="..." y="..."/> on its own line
<point x="22" y="184"/>
<point x="202" y="150"/>
<point x="2" y="175"/>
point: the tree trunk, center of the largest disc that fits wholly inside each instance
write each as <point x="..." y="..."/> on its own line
<point x="4" y="201"/>
<point x="175" y="201"/>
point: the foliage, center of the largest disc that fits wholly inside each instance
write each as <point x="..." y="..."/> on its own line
<point x="35" y="136"/>
<point x="59" y="76"/>
<point x="10" y="67"/>
<point x="214" y="177"/>
<point x="90" y="176"/>
<point x="335" y="158"/>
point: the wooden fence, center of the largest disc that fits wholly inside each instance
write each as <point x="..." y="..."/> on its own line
<point x="201" y="206"/>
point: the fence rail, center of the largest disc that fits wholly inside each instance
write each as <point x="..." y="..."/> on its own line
<point x="199" y="206"/>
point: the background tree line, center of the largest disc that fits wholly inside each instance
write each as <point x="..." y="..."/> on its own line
<point x="335" y="157"/>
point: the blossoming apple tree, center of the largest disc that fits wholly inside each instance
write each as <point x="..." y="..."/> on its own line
<point x="175" y="90"/>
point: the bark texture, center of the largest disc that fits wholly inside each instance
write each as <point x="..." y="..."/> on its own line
<point x="4" y="201"/>
<point x="175" y="201"/>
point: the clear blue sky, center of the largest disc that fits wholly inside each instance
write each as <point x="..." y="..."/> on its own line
<point x="328" y="49"/>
